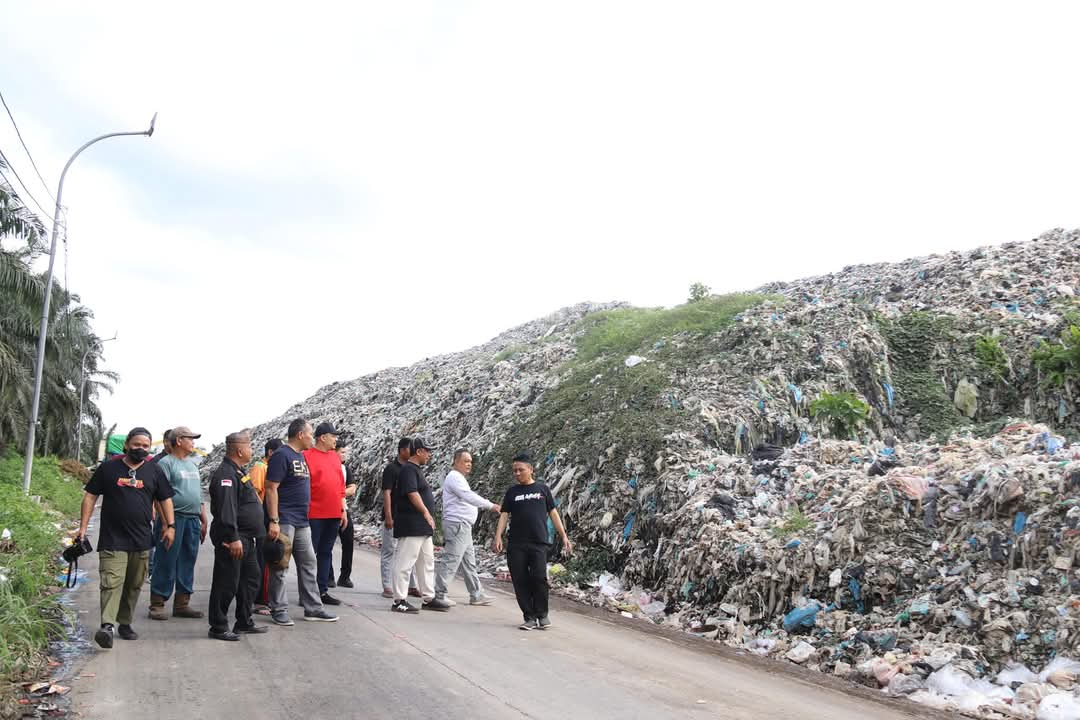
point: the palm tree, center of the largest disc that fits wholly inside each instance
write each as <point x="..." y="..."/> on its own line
<point x="21" y="294"/>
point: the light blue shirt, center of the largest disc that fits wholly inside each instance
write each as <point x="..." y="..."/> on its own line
<point x="183" y="475"/>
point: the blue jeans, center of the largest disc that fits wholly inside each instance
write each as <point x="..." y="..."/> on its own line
<point x="175" y="567"/>
<point x="324" y="531"/>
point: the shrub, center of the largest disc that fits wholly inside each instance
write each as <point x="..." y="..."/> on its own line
<point x="29" y="613"/>
<point x="1059" y="363"/>
<point x="843" y="411"/>
<point x="990" y="356"/>
<point x="698" y="292"/>
<point x="795" y="523"/>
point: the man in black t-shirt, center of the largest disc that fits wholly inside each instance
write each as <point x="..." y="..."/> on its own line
<point x="414" y="525"/>
<point x="129" y="487"/>
<point x="389" y="542"/>
<point x="527" y="506"/>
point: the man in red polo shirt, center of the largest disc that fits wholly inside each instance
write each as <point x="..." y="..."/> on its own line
<point x="327" y="513"/>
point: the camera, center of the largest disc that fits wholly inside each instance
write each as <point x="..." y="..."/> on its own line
<point x="77" y="549"/>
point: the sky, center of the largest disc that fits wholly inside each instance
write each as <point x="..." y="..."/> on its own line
<point x="336" y="188"/>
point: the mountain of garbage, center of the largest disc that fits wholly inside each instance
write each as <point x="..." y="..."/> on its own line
<point x="874" y="473"/>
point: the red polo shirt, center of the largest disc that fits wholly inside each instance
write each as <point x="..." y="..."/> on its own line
<point x="327" y="484"/>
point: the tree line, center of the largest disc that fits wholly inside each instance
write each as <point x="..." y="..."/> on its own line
<point x="73" y="353"/>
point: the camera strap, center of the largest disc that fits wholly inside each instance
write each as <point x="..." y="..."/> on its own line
<point x="73" y="573"/>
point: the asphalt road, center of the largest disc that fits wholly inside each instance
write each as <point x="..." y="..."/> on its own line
<point x="470" y="662"/>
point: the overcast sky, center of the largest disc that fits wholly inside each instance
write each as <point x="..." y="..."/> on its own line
<point x="325" y="179"/>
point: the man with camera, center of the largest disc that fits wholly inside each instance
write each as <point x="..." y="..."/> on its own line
<point x="129" y="486"/>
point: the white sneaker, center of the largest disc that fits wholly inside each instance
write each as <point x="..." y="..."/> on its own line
<point x="482" y="600"/>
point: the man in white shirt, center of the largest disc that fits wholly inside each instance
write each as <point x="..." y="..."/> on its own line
<point x="460" y="504"/>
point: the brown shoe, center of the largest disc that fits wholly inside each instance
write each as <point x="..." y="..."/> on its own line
<point x="157" y="608"/>
<point x="182" y="607"/>
<point x="414" y="592"/>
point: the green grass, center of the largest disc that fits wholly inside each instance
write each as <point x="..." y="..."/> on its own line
<point x="991" y="357"/>
<point x="1059" y="363"/>
<point x="844" y="412"/>
<point x="795" y="522"/>
<point x="913" y="339"/>
<point x="625" y="331"/>
<point x="600" y="403"/>
<point x="510" y="351"/>
<point x="29" y="614"/>
<point x="584" y="565"/>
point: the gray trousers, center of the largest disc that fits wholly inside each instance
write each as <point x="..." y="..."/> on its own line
<point x="303" y="559"/>
<point x="386" y="559"/>
<point x="458" y="551"/>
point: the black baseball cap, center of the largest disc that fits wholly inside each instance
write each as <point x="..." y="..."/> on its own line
<point x="418" y="444"/>
<point x="139" y="430"/>
<point x="326" y="428"/>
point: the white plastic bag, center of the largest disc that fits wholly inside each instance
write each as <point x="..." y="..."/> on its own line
<point x="1062" y="706"/>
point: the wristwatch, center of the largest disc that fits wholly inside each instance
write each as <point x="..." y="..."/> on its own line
<point x="275" y="521"/>
<point x="171" y="525"/>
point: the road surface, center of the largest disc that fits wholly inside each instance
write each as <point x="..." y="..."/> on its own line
<point x="471" y="662"/>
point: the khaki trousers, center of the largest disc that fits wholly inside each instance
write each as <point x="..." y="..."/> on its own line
<point x="122" y="577"/>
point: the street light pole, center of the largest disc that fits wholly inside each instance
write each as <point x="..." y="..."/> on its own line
<point x="39" y="365"/>
<point x="82" y="391"/>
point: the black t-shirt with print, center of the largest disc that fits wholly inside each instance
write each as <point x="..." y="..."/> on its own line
<point x="408" y="521"/>
<point x="528" y="506"/>
<point x="127" y="500"/>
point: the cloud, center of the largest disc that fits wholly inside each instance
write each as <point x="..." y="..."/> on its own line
<point x="320" y="178"/>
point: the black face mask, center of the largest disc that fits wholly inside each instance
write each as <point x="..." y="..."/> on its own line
<point x="137" y="455"/>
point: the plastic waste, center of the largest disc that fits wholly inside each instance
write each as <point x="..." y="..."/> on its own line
<point x="1059" y="707"/>
<point x="1061" y="672"/>
<point x="761" y="646"/>
<point x="802" y="618"/>
<point x="800" y="653"/>
<point x="1015" y="673"/>
<point x="609" y="584"/>
<point x="901" y="684"/>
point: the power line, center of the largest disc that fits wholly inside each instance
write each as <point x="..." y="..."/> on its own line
<point x="7" y="182"/>
<point x="25" y="189"/>
<point x="23" y="142"/>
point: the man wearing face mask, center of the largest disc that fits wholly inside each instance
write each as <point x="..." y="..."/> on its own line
<point x="129" y="487"/>
<point x="238" y="526"/>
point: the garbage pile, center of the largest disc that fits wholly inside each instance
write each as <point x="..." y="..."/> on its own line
<point x="913" y="538"/>
<point x="938" y="571"/>
<point x="465" y="399"/>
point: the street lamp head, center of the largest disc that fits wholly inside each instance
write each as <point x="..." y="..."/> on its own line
<point x="153" y="121"/>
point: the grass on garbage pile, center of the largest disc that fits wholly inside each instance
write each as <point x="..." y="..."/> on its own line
<point x="510" y="351"/>
<point x="624" y="331"/>
<point x="844" y="412"/>
<point x="991" y="357"/>
<point x="795" y="523"/>
<point x="600" y="403"/>
<point x="585" y="565"/>
<point x="29" y="614"/>
<point x="1059" y="363"/>
<point x="912" y="340"/>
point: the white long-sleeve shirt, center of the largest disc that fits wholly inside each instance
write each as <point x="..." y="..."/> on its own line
<point x="459" y="501"/>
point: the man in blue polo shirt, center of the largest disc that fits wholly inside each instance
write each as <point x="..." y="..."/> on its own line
<point x="288" y="495"/>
